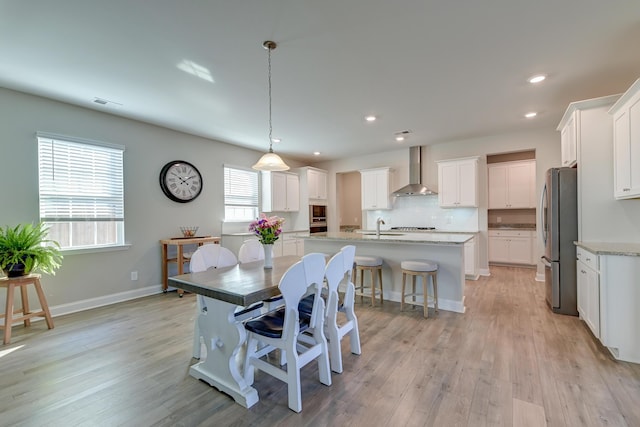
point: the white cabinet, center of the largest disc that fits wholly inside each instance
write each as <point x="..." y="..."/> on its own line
<point x="317" y="184"/>
<point x="471" y="260"/>
<point x="280" y="192"/>
<point x="288" y="244"/>
<point x="512" y="185"/>
<point x="375" y="188"/>
<point x="511" y="246"/>
<point x="569" y="140"/>
<point x="458" y="183"/>
<point x="626" y="144"/>
<point x="588" y="282"/>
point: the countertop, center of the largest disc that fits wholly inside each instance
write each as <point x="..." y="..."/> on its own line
<point x="249" y="233"/>
<point x="608" y="248"/>
<point x="439" y="238"/>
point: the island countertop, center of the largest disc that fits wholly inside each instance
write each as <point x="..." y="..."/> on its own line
<point x="396" y="237"/>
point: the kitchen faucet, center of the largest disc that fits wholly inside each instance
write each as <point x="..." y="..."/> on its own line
<point x="378" y="222"/>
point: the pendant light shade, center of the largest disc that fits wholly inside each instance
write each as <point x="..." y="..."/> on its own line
<point x="270" y="161"/>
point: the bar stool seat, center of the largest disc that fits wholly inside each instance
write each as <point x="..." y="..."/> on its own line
<point x="374" y="265"/>
<point x="424" y="269"/>
<point x="22" y="281"/>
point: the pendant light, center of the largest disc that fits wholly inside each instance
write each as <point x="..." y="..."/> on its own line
<point x="270" y="161"/>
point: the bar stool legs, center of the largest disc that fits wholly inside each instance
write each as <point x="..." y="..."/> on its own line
<point x="374" y="266"/>
<point x="424" y="269"/>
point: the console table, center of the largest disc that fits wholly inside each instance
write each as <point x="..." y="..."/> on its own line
<point x="180" y="258"/>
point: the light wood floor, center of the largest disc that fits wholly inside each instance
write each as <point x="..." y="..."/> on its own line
<point x="507" y="361"/>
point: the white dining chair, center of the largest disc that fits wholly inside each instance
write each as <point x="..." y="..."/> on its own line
<point x="280" y="330"/>
<point x="251" y="250"/>
<point x="206" y="257"/>
<point x="338" y="272"/>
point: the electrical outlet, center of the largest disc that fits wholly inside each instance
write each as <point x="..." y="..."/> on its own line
<point x="134" y="275"/>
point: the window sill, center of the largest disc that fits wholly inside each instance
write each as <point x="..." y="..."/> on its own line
<point x="95" y="249"/>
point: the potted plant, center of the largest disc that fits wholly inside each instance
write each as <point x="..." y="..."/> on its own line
<point x="25" y="248"/>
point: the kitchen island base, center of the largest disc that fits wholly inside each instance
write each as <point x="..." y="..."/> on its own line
<point x="449" y="255"/>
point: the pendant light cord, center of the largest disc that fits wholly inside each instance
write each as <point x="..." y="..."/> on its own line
<point x="270" y="125"/>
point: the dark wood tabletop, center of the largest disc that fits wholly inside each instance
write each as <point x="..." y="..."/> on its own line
<point x="242" y="284"/>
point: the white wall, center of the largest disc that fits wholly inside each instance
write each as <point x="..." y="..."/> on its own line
<point x="546" y="144"/>
<point x="149" y="214"/>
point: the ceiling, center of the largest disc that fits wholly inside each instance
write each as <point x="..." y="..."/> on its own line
<point x="441" y="70"/>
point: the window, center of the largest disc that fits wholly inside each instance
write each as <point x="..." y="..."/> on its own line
<point x="81" y="191"/>
<point x="240" y="194"/>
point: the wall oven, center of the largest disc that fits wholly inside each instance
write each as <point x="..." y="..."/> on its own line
<point x="317" y="219"/>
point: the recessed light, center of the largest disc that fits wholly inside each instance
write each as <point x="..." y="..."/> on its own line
<point x="537" y="79"/>
<point x="370" y="118"/>
<point x="316" y="153"/>
<point x="531" y="115"/>
<point x="276" y="140"/>
<point x="399" y="138"/>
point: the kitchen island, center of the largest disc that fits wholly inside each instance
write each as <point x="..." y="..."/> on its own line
<point x="447" y="249"/>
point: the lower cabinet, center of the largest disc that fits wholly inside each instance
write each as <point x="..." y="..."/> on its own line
<point x="609" y="297"/>
<point x="588" y="282"/>
<point x="511" y="246"/>
<point x="288" y="244"/>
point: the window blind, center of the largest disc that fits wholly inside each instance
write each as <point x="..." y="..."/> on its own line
<point x="240" y="193"/>
<point x="80" y="181"/>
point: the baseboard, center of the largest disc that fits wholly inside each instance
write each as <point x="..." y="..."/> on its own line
<point x="484" y="272"/>
<point x="539" y="277"/>
<point x="87" y="304"/>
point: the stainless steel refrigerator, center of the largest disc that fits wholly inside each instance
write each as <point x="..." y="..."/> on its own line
<point x="559" y="229"/>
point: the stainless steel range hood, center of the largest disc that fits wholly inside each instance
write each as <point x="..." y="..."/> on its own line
<point x="415" y="186"/>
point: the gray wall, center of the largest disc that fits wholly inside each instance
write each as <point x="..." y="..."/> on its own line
<point x="90" y="279"/>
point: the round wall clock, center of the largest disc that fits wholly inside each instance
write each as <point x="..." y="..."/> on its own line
<point x="180" y="181"/>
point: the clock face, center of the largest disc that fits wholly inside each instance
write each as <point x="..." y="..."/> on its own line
<point x="180" y="181"/>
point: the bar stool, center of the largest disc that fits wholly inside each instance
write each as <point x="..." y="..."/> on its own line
<point x="372" y="264"/>
<point x="22" y="281"/>
<point x="420" y="268"/>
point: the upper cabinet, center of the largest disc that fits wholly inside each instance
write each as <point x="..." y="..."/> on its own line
<point x="569" y="140"/>
<point x="512" y="185"/>
<point x="375" y="188"/>
<point x="280" y="192"/>
<point x="626" y="144"/>
<point x="317" y="183"/>
<point x="458" y="183"/>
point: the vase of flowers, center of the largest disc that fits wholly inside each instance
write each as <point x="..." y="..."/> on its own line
<point x="268" y="230"/>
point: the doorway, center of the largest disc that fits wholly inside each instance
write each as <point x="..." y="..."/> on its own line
<point x="349" y="200"/>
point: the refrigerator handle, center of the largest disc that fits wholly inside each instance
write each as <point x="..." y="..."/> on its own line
<point x="541" y="212"/>
<point x="545" y="261"/>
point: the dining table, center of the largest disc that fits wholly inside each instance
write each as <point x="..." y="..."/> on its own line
<point x="226" y="290"/>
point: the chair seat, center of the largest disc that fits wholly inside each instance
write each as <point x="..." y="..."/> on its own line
<point x="419" y="265"/>
<point x="368" y="261"/>
<point x="271" y="324"/>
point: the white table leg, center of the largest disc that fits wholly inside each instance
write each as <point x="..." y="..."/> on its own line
<point x="223" y="336"/>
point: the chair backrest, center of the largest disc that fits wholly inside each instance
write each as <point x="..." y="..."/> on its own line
<point x="292" y="287"/>
<point x="211" y="256"/>
<point x="251" y="250"/>
<point x="314" y="266"/>
<point x="349" y="255"/>
<point x="334" y="273"/>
